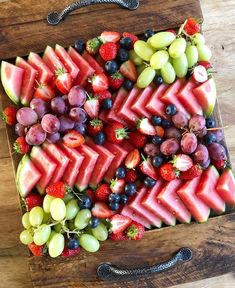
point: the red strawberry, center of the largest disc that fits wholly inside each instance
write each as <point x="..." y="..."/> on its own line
<point x="9" y="115"/>
<point x="219" y="164"/>
<point x="110" y="36"/>
<point x="192" y="26"/>
<point x="93" y="45"/>
<point x="99" y="82"/>
<point x="200" y="74"/>
<point x="119" y="223"/>
<point x="91" y="194"/>
<point x="128" y="70"/>
<point x="103" y="95"/>
<point x="131" y="176"/>
<point x="133" y="37"/>
<point x="172" y="31"/>
<point x="145" y="127"/>
<point x="36" y="250"/>
<point x="147" y="168"/>
<point x="182" y="162"/>
<point x="135" y="231"/>
<point x="44" y="92"/>
<point x="159" y="131"/>
<point x="116" y="80"/>
<point x="21" y="146"/>
<point x="101" y="210"/>
<point x="137" y="139"/>
<point x="118" y="237"/>
<point x="70" y="253"/>
<point x="116" y="132"/>
<point x="132" y="159"/>
<point x="108" y="51"/>
<point x="73" y="139"/>
<point x="58" y="190"/>
<point x="94" y="126"/>
<point x="102" y="193"/>
<point x="168" y="172"/>
<point x="205" y="64"/>
<point x="64" y="81"/>
<point x="193" y="172"/>
<point x="117" y="185"/>
<point x="92" y="107"/>
<point x="32" y="200"/>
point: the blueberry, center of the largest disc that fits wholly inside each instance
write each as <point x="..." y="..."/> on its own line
<point x="210" y="138"/>
<point x="99" y="138"/>
<point x="156" y="120"/>
<point x="123" y="55"/>
<point x="72" y="244"/>
<point x="128" y="84"/>
<point x="166" y="123"/>
<point x="123" y="199"/>
<point x="157" y="80"/>
<point x="157" y="161"/>
<point x="114" y="198"/>
<point x="80" y="46"/>
<point x="111" y="67"/>
<point x="120" y="173"/>
<point x="84" y="202"/>
<point x="130" y="189"/>
<point x="149" y="182"/>
<point x="107" y="104"/>
<point x="149" y="33"/>
<point x="156" y="140"/>
<point x="126" y="43"/>
<point x="171" y="110"/>
<point x="114" y="206"/>
<point x="94" y="222"/>
<point x="210" y="123"/>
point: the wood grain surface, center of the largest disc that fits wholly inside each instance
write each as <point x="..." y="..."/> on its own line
<point x="219" y="31"/>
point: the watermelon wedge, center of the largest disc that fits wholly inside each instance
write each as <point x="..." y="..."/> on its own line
<point x="187" y="193"/>
<point x="52" y="60"/>
<point x="151" y="203"/>
<point x="206" y="190"/>
<point x="104" y="116"/>
<point x="92" y="62"/>
<point x="28" y="83"/>
<point x="12" y="78"/>
<point x="87" y="167"/>
<point x="139" y="104"/>
<point x="45" y="165"/>
<point x="226" y="186"/>
<point x="169" y="198"/>
<point x="27" y="176"/>
<point x="128" y="212"/>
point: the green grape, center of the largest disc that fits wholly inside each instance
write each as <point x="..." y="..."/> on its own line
<point x="42" y="234"/>
<point x="58" y="209"/>
<point x="168" y="73"/>
<point x="47" y="203"/>
<point x="82" y="219"/>
<point x="204" y="52"/>
<point x="25" y="220"/>
<point x="72" y="209"/>
<point x="146" y="77"/>
<point x="36" y="216"/>
<point x="89" y="243"/>
<point x="143" y="50"/>
<point x="71" y="225"/>
<point x="181" y="66"/>
<point x="58" y="228"/>
<point x="192" y="55"/>
<point x="170" y="60"/>
<point x="50" y="237"/>
<point x="56" y="245"/>
<point x="68" y="197"/>
<point x="161" y="39"/>
<point x="140" y="69"/>
<point x="177" y="47"/>
<point x="26" y="237"/>
<point x="100" y="232"/>
<point x="135" y="58"/>
<point x="198" y="38"/>
<point x="159" y="59"/>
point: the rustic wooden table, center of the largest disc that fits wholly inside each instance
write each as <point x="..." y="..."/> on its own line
<point x="219" y="30"/>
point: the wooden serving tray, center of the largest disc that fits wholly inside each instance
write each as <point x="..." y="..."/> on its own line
<point x="212" y="243"/>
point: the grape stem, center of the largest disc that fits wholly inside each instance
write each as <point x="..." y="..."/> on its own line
<point x="217" y="128"/>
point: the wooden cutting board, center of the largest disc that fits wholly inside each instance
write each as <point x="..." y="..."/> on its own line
<point x="25" y="30"/>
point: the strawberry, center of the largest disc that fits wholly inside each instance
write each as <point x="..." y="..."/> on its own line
<point x="145" y="127"/>
<point x="99" y="82"/>
<point x="135" y="231"/>
<point x="172" y="31"/>
<point x="69" y="252"/>
<point x="64" y="81"/>
<point x="168" y="172"/>
<point x="205" y="64"/>
<point x="193" y="172"/>
<point x="58" y="190"/>
<point x="101" y="210"/>
<point x="92" y="107"/>
<point x="117" y="185"/>
<point x="91" y="194"/>
<point x="21" y="146"/>
<point x="103" y="95"/>
<point x="118" y="237"/>
<point x="200" y="74"/>
<point x="128" y="70"/>
<point x="133" y="37"/>
<point x="182" y="162"/>
<point x="73" y="139"/>
<point x="94" y="126"/>
<point x="119" y="223"/>
<point x="93" y="45"/>
<point x="131" y="176"/>
<point x="219" y="164"/>
<point x="36" y="250"/>
<point x="132" y="159"/>
<point x="116" y="132"/>
<point x="102" y="193"/>
<point x="116" y="80"/>
<point x="44" y="92"/>
<point x="137" y="139"/>
<point x="192" y="26"/>
<point x="9" y="115"/>
<point x="147" y="168"/>
<point x="159" y="131"/>
<point x="110" y="36"/>
<point x="32" y="200"/>
<point x="108" y="51"/>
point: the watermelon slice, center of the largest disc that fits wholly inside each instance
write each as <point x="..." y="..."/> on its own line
<point x="169" y="198"/>
<point x="150" y="202"/>
<point x="187" y="193"/>
<point x="75" y="162"/>
<point x="103" y="162"/>
<point x="139" y="104"/>
<point x="27" y="176"/>
<point x="226" y="186"/>
<point x="28" y="83"/>
<point x="206" y="96"/>
<point x="12" y="78"/>
<point x="60" y="158"/>
<point x="52" y="60"/>
<point x="87" y="167"/>
<point x="128" y="212"/>
<point x="92" y="62"/>
<point x="44" y="73"/>
<point x="86" y="70"/>
<point x="45" y="165"/>
<point x="120" y="155"/>
<point x="67" y="61"/>
<point x="206" y="190"/>
<point x="103" y="116"/>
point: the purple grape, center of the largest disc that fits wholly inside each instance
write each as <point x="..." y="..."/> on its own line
<point x="80" y="127"/>
<point x="65" y="124"/>
<point x="26" y="116"/>
<point x="151" y="150"/>
<point x="19" y="129"/>
<point x="197" y="123"/>
<point x="36" y="135"/>
<point x="172" y="132"/>
<point x="78" y="115"/>
<point x="39" y="106"/>
<point x="58" y="106"/>
<point x="217" y="151"/>
<point x="206" y="164"/>
<point x="66" y="100"/>
<point x="180" y="120"/>
<point x="77" y="96"/>
<point x="202" y="133"/>
<point x="50" y="123"/>
<point x="188" y="143"/>
<point x="54" y="137"/>
<point x="169" y="147"/>
<point x="201" y="154"/>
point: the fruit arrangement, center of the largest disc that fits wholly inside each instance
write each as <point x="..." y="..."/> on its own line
<point x="116" y="137"/>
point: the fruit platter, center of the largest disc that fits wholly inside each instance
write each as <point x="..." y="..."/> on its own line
<point x="116" y="141"/>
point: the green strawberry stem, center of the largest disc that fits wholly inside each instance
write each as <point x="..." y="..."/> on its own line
<point x="132" y="231"/>
<point x="121" y="133"/>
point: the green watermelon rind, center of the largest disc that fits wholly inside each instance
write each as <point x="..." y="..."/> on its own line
<point x="20" y="174"/>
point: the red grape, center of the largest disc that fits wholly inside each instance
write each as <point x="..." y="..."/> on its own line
<point x="169" y="147"/>
<point x="39" y="106"/>
<point x="58" y="106"/>
<point x="151" y="150"/>
<point x="172" y="132"/>
<point x="26" y="116"/>
<point x="54" y="137"/>
<point x="78" y="115"/>
<point x="217" y="151"/>
<point x="66" y="124"/>
<point x="50" y="123"/>
<point x="206" y="164"/>
<point x="188" y="143"/>
<point x="36" y="135"/>
<point x="77" y="96"/>
<point x="201" y="154"/>
<point x="19" y="129"/>
<point x="197" y="123"/>
<point x="202" y="133"/>
<point x="180" y="120"/>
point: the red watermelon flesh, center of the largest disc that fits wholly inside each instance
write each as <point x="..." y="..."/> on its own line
<point x="151" y="203"/>
<point x="169" y="198"/>
<point x="128" y="212"/>
<point x="103" y="116"/>
<point x="92" y="62"/>
<point x="206" y="190"/>
<point x="139" y="104"/>
<point x="187" y="193"/>
<point x="226" y="186"/>
<point x="52" y="60"/>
